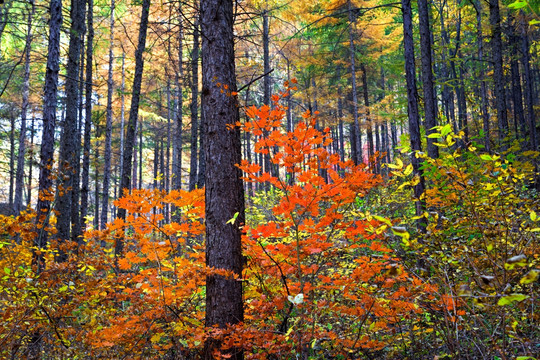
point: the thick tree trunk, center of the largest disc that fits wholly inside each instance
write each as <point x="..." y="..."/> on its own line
<point x="46" y="192"/>
<point x="133" y="116"/>
<point x="427" y="77"/>
<point x="412" y="105"/>
<point x="194" y="108"/>
<point x="528" y="84"/>
<point x="224" y="192"/>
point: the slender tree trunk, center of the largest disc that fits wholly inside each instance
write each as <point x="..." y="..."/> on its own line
<point x="194" y="108"/>
<point x="108" y="126"/>
<point x="30" y="164"/>
<point x="201" y="176"/>
<point x="88" y="115"/>
<point x="528" y="84"/>
<point x="498" y="75"/>
<point x="177" y="164"/>
<point x="371" y="151"/>
<point x="427" y="77"/>
<point x="133" y="116"/>
<point x="11" y="192"/>
<point x="357" y="133"/>
<point x="224" y="192"/>
<point x="122" y="116"/>
<point x="412" y="105"/>
<point x="19" y="176"/>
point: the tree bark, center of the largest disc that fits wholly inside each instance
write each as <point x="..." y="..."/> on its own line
<point x="498" y="75"/>
<point x="427" y="77"/>
<point x="177" y="162"/>
<point x="67" y="143"/>
<point x="224" y="192"/>
<point x="88" y="114"/>
<point x="133" y="116"/>
<point x="357" y="133"/>
<point x="49" y="121"/>
<point x="108" y="126"/>
<point x="19" y="176"/>
<point x="194" y="107"/>
<point x="412" y="105"/>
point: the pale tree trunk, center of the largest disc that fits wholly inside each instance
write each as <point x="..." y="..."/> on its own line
<point x="177" y="163"/>
<point x="224" y="192"/>
<point x="19" y="176"/>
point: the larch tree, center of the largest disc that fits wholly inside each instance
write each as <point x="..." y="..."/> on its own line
<point x="224" y="192"/>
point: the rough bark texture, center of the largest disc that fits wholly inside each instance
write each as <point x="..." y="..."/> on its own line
<point x="224" y="191"/>
<point x="69" y="135"/>
<point x="133" y="115"/>
<point x="412" y="102"/>
<point x="49" y="121"/>
<point x="427" y="76"/>
<point x="357" y="133"/>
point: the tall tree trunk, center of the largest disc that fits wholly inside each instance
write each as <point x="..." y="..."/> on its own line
<point x="201" y="176"/>
<point x="133" y="115"/>
<point x="30" y="164"/>
<point x="427" y="77"/>
<point x="224" y="192"/>
<point x="122" y="116"/>
<point x="528" y="84"/>
<point x="19" y="176"/>
<point x="356" y="135"/>
<point x="371" y="151"/>
<point x="47" y="135"/>
<point x="412" y="105"/>
<point x="88" y="114"/>
<point x="498" y="75"/>
<point x="108" y="126"/>
<point x="12" y="116"/>
<point x="177" y="163"/>
<point x="67" y="143"/>
<point x="194" y="106"/>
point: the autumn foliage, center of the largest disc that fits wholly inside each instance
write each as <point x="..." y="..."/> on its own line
<point x="324" y="277"/>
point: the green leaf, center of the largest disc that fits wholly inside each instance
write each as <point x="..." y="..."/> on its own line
<point x="525" y="358"/>
<point x="533" y="216"/>
<point x="7" y="270"/>
<point x="530" y="277"/>
<point x="486" y="157"/>
<point x="517" y="5"/>
<point x="506" y="300"/>
<point x="534" y="22"/>
<point x="231" y="221"/>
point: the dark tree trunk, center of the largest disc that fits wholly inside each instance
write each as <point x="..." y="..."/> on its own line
<point x="427" y="77"/>
<point x="369" y="124"/>
<point x="177" y="161"/>
<point x="412" y="104"/>
<point x="88" y="115"/>
<point x="19" y="176"/>
<point x="194" y="108"/>
<point x="108" y="126"/>
<point x="201" y="176"/>
<point x="356" y="135"/>
<point x="49" y="120"/>
<point x="69" y="137"/>
<point x="133" y="116"/>
<point x="528" y="84"/>
<point x="224" y="192"/>
<point x="498" y="75"/>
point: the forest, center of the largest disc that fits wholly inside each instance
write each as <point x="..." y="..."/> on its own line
<point x="269" y="179"/>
